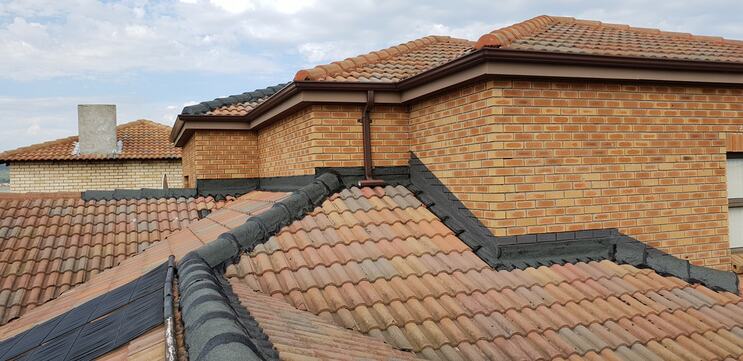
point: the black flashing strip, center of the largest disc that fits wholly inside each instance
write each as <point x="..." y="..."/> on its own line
<point x="445" y="205"/>
<point x="257" y="229"/>
<point x="545" y="249"/>
<point x="220" y="188"/>
<point x="350" y="176"/>
<point x="207" y="106"/>
<point x="217" y="326"/>
<point x="143" y="193"/>
<point x="97" y="326"/>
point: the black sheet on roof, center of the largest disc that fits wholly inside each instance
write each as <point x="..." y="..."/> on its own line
<point x="96" y="327"/>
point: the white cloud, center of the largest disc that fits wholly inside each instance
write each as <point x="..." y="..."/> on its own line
<point x="52" y="41"/>
<point x="316" y="52"/>
<point x="34" y="128"/>
<point x="234" y="6"/>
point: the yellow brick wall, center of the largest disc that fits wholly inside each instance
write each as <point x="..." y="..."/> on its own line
<point x="220" y="154"/>
<point x="284" y="146"/>
<point x="531" y="157"/>
<point x="318" y="136"/>
<point x="79" y="176"/>
<point x="331" y="136"/>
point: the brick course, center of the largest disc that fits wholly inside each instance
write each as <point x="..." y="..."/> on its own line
<point x="530" y="157"/>
<point x="77" y="176"/>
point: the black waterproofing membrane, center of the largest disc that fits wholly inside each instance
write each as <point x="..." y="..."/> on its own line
<point x="96" y="327"/>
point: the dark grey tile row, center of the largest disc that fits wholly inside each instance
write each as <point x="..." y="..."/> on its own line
<point x="216" y="326"/>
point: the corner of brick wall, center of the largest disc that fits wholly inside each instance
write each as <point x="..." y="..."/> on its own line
<point x="532" y="156"/>
<point x="220" y="154"/>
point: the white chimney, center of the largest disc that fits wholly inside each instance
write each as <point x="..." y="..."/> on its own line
<point x="96" y="124"/>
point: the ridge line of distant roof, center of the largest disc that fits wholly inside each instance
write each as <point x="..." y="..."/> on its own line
<point x="5" y="155"/>
<point x="207" y="106"/>
<point x="372" y="57"/>
<point x="505" y="36"/>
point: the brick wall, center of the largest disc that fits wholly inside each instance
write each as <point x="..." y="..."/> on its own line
<point x="331" y="136"/>
<point x="88" y="175"/>
<point x="530" y="157"/>
<point x="318" y="136"/>
<point x="219" y="154"/>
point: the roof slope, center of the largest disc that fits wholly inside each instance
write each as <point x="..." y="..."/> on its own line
<point x="392" y="64"/>
<point x="191" y="237"/>
<point x="141" y="139"/>
<point x="49" y="244"/>
<point x="377" y="261"/>
<point x="554" y="34"/>
<point x="309" y="337"/>
<point x="233" y="105"/>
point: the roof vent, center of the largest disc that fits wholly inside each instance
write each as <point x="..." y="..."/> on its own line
<point x="97" y="127"/>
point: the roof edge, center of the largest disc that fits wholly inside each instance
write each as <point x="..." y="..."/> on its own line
<point x="197" y="112"/>
<point x="347" y="64"/>
<point x="206" y="106"/>
<point x="215" y="330"/>
<point x="228" y="247"/>
<point x="504" y="36"/>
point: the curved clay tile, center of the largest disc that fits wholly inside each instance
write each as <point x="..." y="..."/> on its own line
<point x="333" y="70"/>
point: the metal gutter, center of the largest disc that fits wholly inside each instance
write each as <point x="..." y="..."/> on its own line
<point x="475" y="66"/>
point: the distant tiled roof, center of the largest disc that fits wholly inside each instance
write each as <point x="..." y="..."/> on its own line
<point x="378" y="262"/>
<point x="233" y="105"/>
<point x="392" y="64"/>
<point x="51" y="242"/>
<point x="191" y="236"/>
<point x="554" y="34"/>
<point x="141" y="139"/>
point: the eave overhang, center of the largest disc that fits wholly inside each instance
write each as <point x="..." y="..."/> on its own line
<point x="478" y="65"/>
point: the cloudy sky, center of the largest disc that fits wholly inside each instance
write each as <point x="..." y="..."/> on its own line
<point x="153" y="57"/>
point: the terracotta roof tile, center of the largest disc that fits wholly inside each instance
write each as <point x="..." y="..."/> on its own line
<point x="51" y="242"/>
<point x="299" y="335"/>
<point x="392" y="64"/>
<point x="141" y="139"/>
<point x="233" y="105"/>
<point x="378" y="262"/>
<point x="95" y="282"/>
<point x="554" y="34"/>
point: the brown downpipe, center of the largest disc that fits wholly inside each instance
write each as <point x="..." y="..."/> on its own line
<point x="365" y="121"/>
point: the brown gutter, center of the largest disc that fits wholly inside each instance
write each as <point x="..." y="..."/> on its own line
<point x="512" y="62"/>
<point x="186" y="124"/>
<point x="500" y="55"/>
<point x="365" y="121"/>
